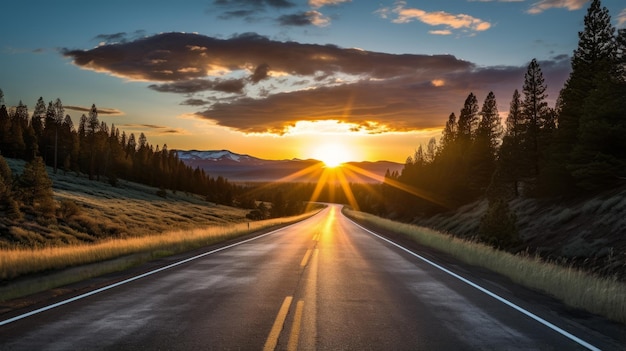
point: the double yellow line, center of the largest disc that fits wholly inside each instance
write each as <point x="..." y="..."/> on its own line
<point x="279" y="322"/>
<point x="272" y="338"/>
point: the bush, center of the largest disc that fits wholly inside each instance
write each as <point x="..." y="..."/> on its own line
<point x="498" y="226"/>
<point x="68" y="209"/>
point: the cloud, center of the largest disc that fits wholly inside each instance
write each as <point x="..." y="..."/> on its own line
<point x="306" y="18"/>
<point x="543" y="5"/>
<point x="194" y="102"/>
<point x="255" y="3"/>
<point x="321" y="3"/>
<point x="101" y="110"/>
<point x="256" y="85"/>
<point x="250" y="10"/>
<point x="621" y="18"/>
<point x="402" y="14"/>
<point x="441" y="32"/>
<point x="152" y="129"/>
<point x="231" y="86"/>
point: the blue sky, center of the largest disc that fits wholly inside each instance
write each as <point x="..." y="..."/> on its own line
<point x="273" y="78"/>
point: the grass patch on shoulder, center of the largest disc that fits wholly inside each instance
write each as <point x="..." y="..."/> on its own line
<point x="576" y="288"/>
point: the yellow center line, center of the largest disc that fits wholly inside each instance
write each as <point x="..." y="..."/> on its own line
<point x="295" y="328"/>
<point x="305" y="259"/>
<point x="272" y="338"/>
<point x="316" y="237"/>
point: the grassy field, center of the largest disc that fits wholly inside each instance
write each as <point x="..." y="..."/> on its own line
<point x="606" y="297"/>
<point x="104" y="212"/>
<point x="109" y="229"/>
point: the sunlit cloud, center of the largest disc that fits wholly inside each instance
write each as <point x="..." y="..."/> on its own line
<point x="320" y="3"/>
<point x="266" y="86"/>
<point x="440" y="32"/>
<point x="543" y="5"/>
<point x="402" y="14"/>
<point x="621" y="18"/>
<point x="438" y="82"/>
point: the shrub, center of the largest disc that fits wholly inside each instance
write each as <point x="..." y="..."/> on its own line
<point x="498" y="226"/>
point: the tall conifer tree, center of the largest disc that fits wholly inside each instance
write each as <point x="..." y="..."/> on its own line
<point x="536" y="116"/>
<point x="592" y="62"/>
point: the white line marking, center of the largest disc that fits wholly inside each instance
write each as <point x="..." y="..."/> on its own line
<point x="93" y="292"/>
<point x="480" y="288"/>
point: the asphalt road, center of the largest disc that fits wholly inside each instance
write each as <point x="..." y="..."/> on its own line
<point x="324" y="283"/>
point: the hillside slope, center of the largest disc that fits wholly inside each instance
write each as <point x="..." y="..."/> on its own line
<point x="587" y="233"/>
<point x="104" y="211"/>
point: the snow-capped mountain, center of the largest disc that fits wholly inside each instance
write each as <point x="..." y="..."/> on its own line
<point x="213" y="155"/>
<point x="246" y="168"/>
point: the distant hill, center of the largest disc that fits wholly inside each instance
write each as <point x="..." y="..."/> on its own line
<point x="245" y="168"/>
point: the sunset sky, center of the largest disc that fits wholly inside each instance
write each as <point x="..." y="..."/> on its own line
<point x="282" y="79"/>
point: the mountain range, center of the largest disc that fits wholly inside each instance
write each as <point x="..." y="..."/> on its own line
<point x="245" y="168"/>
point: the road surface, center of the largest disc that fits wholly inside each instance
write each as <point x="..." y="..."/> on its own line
<point x="324" y="283"/>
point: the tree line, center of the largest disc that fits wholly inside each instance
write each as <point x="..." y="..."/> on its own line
<point x="572" y="149"/>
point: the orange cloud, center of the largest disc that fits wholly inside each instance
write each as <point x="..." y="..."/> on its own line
<point x="543" y="5"/>
<point x="437" y="18"/>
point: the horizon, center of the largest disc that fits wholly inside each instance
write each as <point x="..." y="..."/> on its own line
<point x="284" y="159"/>
<point x="288" y="80"/>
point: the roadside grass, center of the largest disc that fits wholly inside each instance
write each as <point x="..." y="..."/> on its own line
<point x="576" y="288"/>
<point x="90" y="260"/>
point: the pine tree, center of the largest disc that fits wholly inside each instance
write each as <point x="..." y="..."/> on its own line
<point x="38" y="116"/>
<point x="35" y="188"/>
<point x="510" y="159"/>
<point x="485" y="146"/>
<point x="7" y="201"/>
<point x="536" y="115"/>
<point x="591" y="63"/>
<point x="5" y="128"/>
<point x="468" y="120"/>
<point x="598" y="160"/>
<point x="15" y="139"/>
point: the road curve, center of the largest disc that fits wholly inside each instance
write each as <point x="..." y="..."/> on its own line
<point x="324" y="283"/>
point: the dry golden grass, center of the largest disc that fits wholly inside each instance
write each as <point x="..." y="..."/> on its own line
<point x="19" y="262"/>
<point x="606" y="297"/>
<point x="101" y="211"/>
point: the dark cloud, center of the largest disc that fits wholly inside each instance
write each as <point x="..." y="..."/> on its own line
<point x="237" y="14"/>
<point x="233" y="86"/>
<point x="260" y="73"/>
<point x="120" y="37"/>
<point x="116" y="37"/>
<point x="184" y="56"/>
<point x="298" y="19"/>
<point x="151" y="128"/>
<point x="194" y="102"/>
<point x="254" y="84"/>
<point x="101" y="110"/>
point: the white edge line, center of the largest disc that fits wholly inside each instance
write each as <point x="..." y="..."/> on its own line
<point x="105" y="288"/>
<point x="480" y="288"/>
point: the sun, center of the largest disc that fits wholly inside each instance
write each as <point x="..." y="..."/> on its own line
<point x="332" y="154"/>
